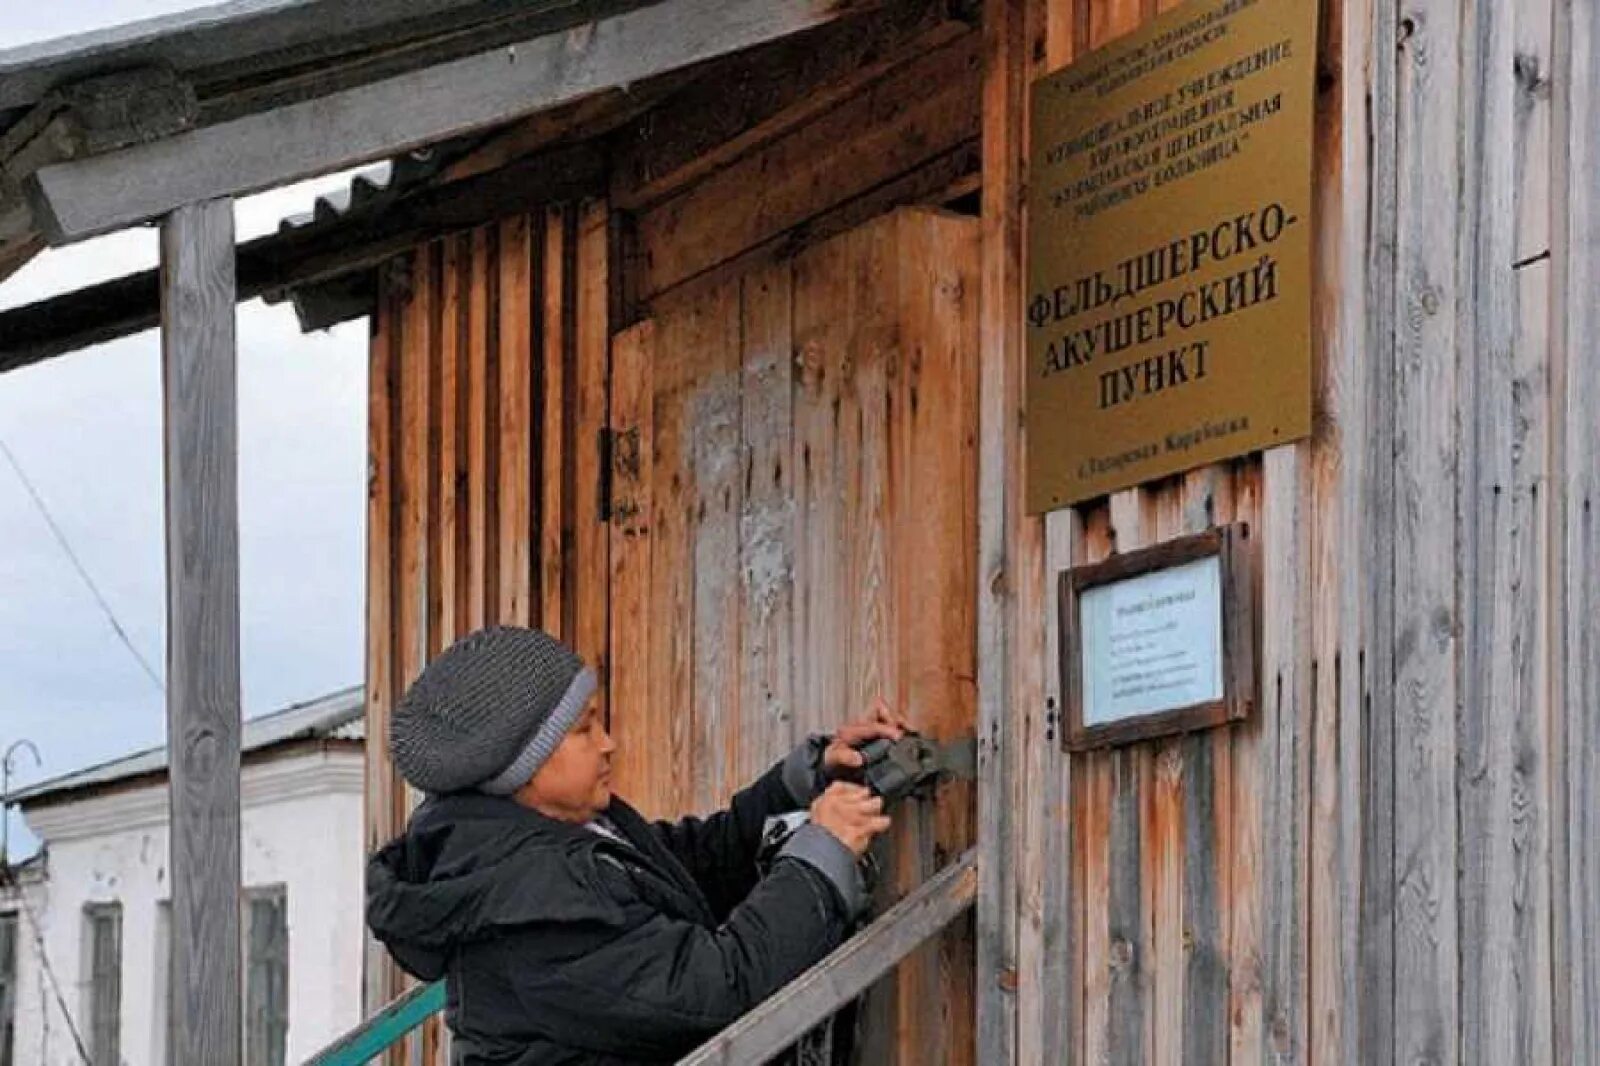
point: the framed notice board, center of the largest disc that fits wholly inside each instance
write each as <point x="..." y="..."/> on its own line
<point x="1159" y="641"/>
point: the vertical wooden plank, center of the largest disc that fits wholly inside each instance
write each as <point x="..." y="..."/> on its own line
<point x="766" y="521"/>
<point x="482" y="383"/>
<point x="872" y="463"/>
<point x="590" y="565"/>
<point x="826" y="467"/>
<point x="1535" y="775"/>
<point x="199" y="390"/>
<point x="450" y="522"/>
<point x="1191" y="974"/>
<point x="933" y="474"/>
<point x="1093" y="843"/>
<point x="1245" y="906"/>
<point x="1164" y="821"/>
<point x="414" y="486"/>
<point x="671" y="602"/>
<point x="1129" y="1012"/>
<point x="1427" y="619"/>
<point x="835" y="544"/>
<point x="1092" y="847"/>
<point x="514" y="444"/>
<point x="1006" y="55"/>
<point x="1206" y="863"/>
<point x="412" y="483"/>
<point x="638" y="721"/>
<point x="708" y="345"/>
<point x="1128" y="958"/>
<point x="1374" y="673"/>
<point x="550" y="404"/>
<point x="1283" y="749"/>
<point x="1502" y="806"/>
<point x="1049" y="824"/>
<point x="382" y="781"/>
<point x="1576" y="570"/>
<point x="1162" y="863"/>
<point x="446" y="563"/>
<point x="1340" y="566"/>
<point x="1130" y="1016"/>
<point x="1163" y="870"/>
<point x="1050" y="993"/>
<point x="821" y="314"/>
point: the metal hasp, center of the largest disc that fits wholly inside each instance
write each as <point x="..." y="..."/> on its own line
<point x="895" y="769"/>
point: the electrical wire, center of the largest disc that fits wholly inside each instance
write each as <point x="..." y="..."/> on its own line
<point x="66" y="546"/>
<point x="44" y="962"/>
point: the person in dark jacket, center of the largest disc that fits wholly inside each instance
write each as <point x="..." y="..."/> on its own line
<point x="568" y="929"/>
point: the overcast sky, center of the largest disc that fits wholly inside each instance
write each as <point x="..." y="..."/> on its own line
<point x="86" y="429"/>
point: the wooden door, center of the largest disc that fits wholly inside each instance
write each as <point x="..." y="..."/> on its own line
<point x="794" y="532"/>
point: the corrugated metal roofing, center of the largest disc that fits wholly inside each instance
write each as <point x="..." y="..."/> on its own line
<point x="338" y="716"/>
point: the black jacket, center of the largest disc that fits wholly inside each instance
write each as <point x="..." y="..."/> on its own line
<point x="561" y="946"/>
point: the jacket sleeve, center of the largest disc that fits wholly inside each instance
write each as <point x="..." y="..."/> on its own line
<point x="720" y="850"/>
<point x="664" y="986"/>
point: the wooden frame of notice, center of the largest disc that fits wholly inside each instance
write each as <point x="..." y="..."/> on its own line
<point x="1231" y="546"/>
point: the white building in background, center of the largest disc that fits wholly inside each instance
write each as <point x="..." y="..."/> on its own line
<point x="99" y="898"/>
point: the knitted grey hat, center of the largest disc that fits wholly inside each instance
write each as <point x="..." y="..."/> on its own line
<point x="489" y="711"/>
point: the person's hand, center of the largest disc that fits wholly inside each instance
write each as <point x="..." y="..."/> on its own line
<point x="841" y="754"/>
<point x="851" y="813"/>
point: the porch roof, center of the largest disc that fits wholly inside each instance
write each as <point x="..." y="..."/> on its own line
<point x="479" y="105"/>
<point x="165" y="78"/>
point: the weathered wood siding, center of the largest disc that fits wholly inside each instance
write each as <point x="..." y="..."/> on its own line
<point x="488" y="394"/>
<point x="796" y="534"/>
<point x="1394" y="860"/>
<point x="755" y="165"/>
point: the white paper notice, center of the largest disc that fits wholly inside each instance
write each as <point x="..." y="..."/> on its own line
<point x="1152" y="643"/>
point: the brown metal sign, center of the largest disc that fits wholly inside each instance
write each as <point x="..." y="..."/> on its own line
<point x="1169" y="238"/>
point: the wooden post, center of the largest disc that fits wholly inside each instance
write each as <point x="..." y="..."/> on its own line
<point x="199" y="389"/>
<point x="1000" y="339"/>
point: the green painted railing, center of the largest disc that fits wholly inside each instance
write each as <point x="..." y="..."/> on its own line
<point x="383" y="1030"/>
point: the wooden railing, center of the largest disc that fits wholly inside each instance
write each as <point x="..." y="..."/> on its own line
<point x="778" y="1022"/>
<point x="818" y="993"/>
<point x="383" y="1030"/>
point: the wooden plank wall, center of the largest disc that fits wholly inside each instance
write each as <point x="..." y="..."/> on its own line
<point x="1394" y="860"/>
<point x="796" y="535"/>
<point x="832" y="144"/>
<point x="487" y="396"/>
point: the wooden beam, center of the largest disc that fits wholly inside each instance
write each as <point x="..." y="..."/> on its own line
<point x="199" y="385"/>
<point x="83" y="198"/>
<point x="819" y="992"/>
<point x="309" y="256"/>
<point x="754" y="99"/>
<point x="896" y="129"/>
<point x="246" y="41"/>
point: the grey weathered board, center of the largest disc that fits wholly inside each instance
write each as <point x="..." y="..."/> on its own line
<point x="200" y="398"/>
<point x="366" y="122"/>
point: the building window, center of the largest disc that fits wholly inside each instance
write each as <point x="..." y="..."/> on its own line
<point x="161" y="1049"/>
<point x="266" y="976"/>
<point x="8" y="986"/>
<point x="105" y="982"/>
